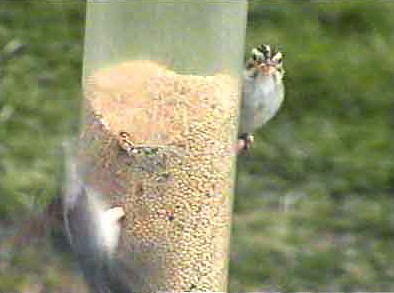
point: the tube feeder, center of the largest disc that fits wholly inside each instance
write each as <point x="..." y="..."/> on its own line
<point x="161" y="87"/>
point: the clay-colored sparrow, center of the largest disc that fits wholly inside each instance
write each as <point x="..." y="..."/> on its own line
<point x="93" y="228"/>
<point x="263" y="92"/>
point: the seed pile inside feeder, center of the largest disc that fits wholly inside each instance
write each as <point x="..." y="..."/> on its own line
<point x="175" y="183"/>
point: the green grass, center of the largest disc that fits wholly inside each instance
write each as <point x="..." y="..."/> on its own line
<point x="40" y="87"/>
<point x="317" y="203"/>
<point x="314" y="199"/>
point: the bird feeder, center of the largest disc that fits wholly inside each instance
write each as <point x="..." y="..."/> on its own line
<point x="161" y="86"/>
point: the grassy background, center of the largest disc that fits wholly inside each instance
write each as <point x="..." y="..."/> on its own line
<point x="314" y="201"/>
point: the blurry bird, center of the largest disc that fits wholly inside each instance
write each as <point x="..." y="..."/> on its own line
<point x="263" y="92"/>
<point x="93" y="228"/>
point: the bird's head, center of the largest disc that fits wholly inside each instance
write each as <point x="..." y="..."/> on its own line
<point x="267" y="60"/>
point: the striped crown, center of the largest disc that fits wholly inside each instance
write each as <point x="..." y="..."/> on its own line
<point x="265" y="53"/>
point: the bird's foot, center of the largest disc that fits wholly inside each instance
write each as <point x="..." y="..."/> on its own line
<point x="244" y="142"/>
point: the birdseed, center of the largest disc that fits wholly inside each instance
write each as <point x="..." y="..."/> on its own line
<point x="171" y="168"/>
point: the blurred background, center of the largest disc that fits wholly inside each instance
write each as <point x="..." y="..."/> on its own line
<point x="314" y="203"/>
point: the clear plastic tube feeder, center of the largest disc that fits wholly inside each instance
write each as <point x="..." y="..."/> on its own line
<point x="161" y="94"/>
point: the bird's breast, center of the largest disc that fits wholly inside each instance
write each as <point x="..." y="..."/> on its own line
<point x="265" y="85"/>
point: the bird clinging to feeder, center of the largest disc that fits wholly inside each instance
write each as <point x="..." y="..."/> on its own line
<point x="262" y="93"/>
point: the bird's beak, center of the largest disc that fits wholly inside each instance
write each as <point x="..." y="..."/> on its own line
<point x="267" y="69"/>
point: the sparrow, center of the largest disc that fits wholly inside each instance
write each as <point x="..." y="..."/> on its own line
<point x="93" y="228"/>
<point x="262" y="92"/>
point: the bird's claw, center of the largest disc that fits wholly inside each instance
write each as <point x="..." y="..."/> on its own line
<point x="245" y="140"/>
